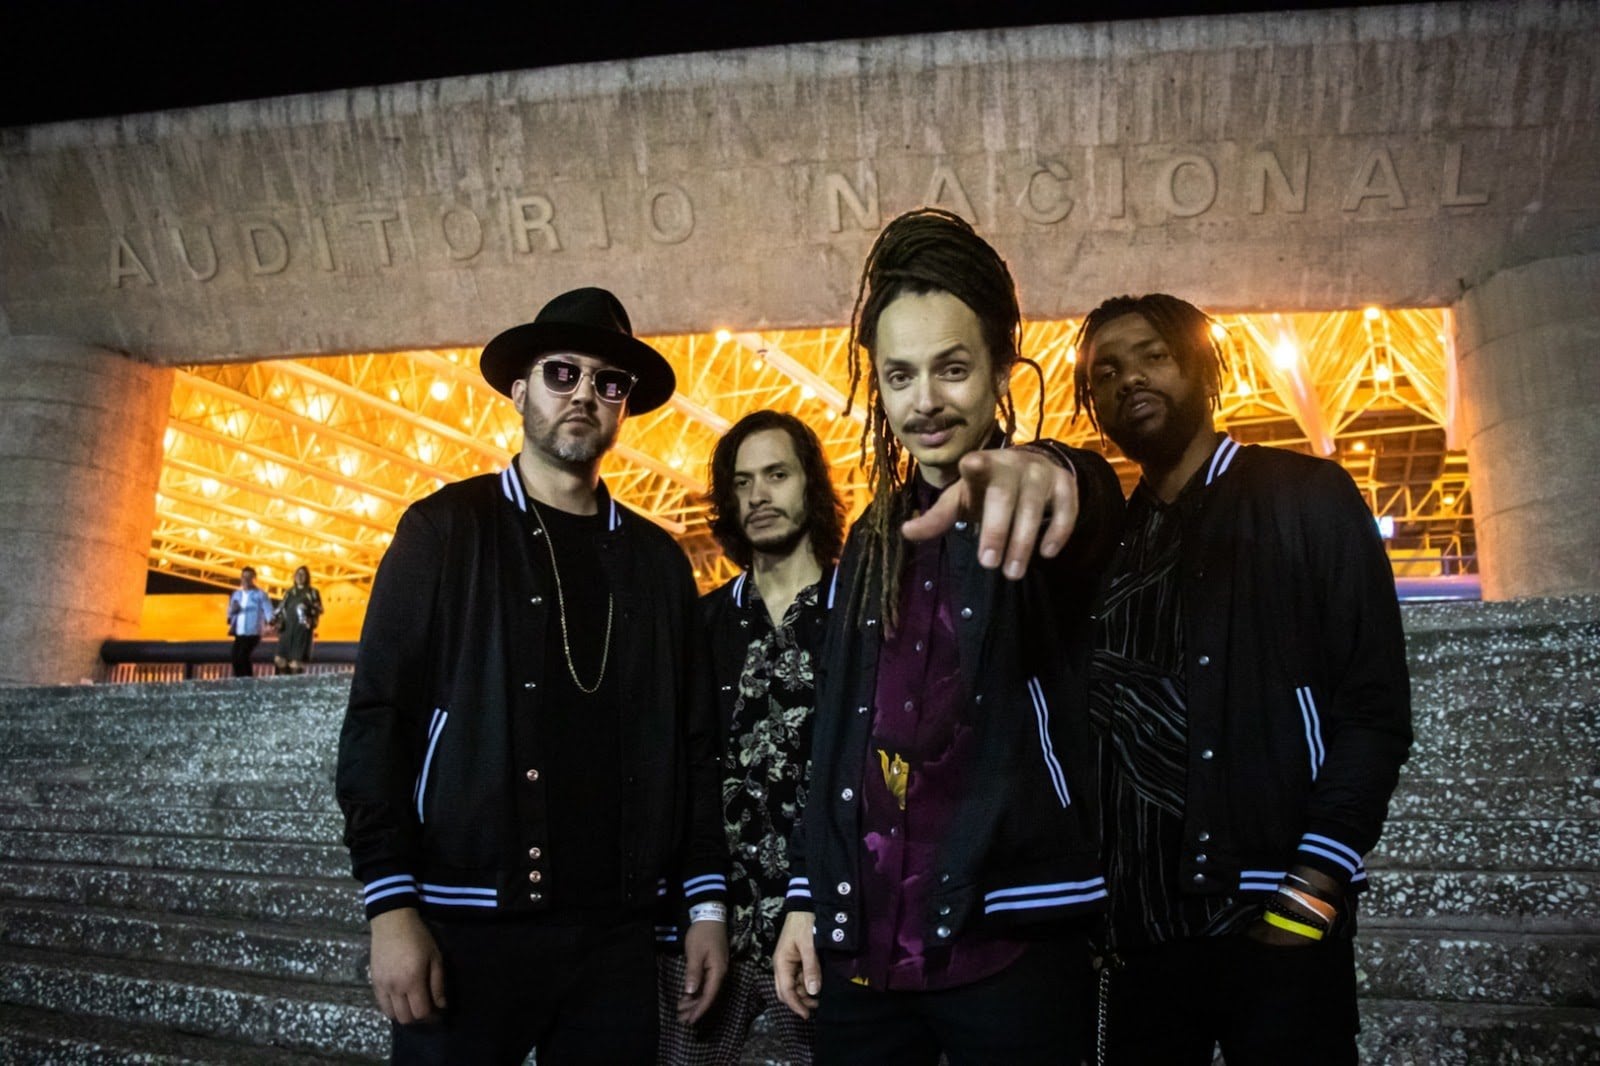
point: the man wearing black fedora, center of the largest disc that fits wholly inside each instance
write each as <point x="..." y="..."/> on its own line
<point x="529" y="752"/>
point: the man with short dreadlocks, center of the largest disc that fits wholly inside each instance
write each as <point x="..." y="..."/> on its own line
<point x="1249" y="693"/>
<point x="945" y="869"/>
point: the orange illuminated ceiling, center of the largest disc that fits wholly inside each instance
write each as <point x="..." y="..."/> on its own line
<point x="311" y="461"/>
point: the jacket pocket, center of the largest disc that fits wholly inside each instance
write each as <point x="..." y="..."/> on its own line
<point x="1312" y="722"/>
<point x="1047" y="748"/>
<point x="435" y="731"/>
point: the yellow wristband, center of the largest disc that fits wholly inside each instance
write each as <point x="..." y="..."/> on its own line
<point x="1292" y="926"/>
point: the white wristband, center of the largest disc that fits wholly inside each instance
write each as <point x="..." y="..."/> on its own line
<point x="708" y="912"/>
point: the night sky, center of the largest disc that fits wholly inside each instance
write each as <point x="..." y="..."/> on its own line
<point x="66" y="59"/>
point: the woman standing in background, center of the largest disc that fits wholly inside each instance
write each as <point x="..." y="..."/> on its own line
<point x="297" y="623"/>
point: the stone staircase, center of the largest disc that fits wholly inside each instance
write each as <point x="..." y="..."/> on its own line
<point x="1480" y="940"/>
<point x="172" y="889"/>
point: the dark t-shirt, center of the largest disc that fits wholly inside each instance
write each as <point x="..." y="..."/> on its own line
<point x="581" y="733"/>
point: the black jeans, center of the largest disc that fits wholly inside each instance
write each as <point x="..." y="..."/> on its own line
<point x="1035" y="1012"/>
<point x="578" y="993"/>
<point x="243" y="646"/>
<point x="1175" y="1002"/>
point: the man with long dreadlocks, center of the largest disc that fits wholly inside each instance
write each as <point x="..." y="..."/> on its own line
<point x="946" y="863"/>
<point x="1249" y="693"/>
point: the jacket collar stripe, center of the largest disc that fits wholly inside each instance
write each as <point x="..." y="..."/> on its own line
<point x="511" y="485"/>
<point x="738" y="588"/>
<point x="460" y="890"/>
<point x="1222" y="458"/>
<point x="1041" y="712"/>
<point x="833" y="587"/>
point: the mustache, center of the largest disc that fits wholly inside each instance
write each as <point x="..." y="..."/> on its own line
<point x="933" y="425"/>
<point x="763" y="512"/>
<point x="1154" y="395"/>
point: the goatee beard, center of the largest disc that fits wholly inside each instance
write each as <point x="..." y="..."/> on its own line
<point x="783" y="546"/>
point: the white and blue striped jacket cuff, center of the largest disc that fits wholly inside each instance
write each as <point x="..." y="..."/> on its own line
<point x="1330" y="850"/>
<point x="699" y="886"/>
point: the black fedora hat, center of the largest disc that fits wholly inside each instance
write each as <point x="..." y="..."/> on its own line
<point x="585" y="321"/>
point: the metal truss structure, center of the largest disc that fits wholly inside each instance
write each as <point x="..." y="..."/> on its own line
<point x="311" y="461"/>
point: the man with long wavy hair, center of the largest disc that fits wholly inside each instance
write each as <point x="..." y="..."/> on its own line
<point x="776" y="514"/>
<point x="946" y="868"/>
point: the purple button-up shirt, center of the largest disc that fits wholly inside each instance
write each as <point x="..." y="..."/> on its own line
<point x="923" y="751"/>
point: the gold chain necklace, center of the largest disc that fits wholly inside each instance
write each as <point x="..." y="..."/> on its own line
<point x="561" y="602"/>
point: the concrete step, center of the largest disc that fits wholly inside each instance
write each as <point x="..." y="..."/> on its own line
<point x="1489" y="708"/>
<point x="1424" y="1033"/>
<point x="1485" y="844"/>
<point x="1547" y="755"/>
<point x="50" y="1038"/>
<point x="305" y="792"/>
<point x="46" y="784"/>
<point x="174" y="853"/>
<point x="276" y="898"/>
<point x="249" y="1010"/>
<point x="1562" y="901"/>
<point x="307" y="827"/>
<point x="1494" y="796"/>
<point x="326" y="956"/>
<point x="1469" y="966"/>
<point x="1443" y="627"/>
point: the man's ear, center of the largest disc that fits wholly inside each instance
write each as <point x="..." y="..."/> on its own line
<point x="519" y="393"/>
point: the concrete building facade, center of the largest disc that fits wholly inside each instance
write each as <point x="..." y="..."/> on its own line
<point x="1427" y="155"/>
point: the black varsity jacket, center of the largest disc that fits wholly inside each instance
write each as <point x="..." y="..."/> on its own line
<point x="1024" y="849"/>
<point x="443" y="800"/>
<point x="1299" y="700"/>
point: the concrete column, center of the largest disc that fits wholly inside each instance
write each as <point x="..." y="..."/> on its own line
<point x="1528" y="355"/>
<point x="80" y="459"/>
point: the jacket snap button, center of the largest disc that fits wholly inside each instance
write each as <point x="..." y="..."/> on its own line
<point x="1204" y="836"/>
<point x="530" y="684"/>
<point x="535" y="853"/>
<point x="1207" y="754"/>
<point x="1200" y="857"/>
<point x="840" y="918"/>
<point x="536" y="600"/>
<point x="843" y="888"/>
<point x="943" y="932"/>
<point x="535" y="876"/>
<point x="1199" y="879"/>
<point x="533" y="775"/>
<point x="944" y="911"/>
<point x="838" y="936"/>
<point x="848" y="794"/>
<point x="1204" y="660"/>
<point x="535" y="897"/>
<point x="966" y="612"/>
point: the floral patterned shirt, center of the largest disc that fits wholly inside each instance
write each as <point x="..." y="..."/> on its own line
<point x="765" y="770"/>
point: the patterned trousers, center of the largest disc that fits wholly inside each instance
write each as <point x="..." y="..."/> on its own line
<point x="719" y="1038"/>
